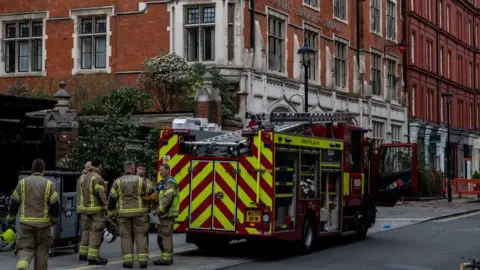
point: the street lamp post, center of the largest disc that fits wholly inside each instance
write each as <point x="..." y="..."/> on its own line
<point x="306" y="53"/>
<point x="449" y="96"/>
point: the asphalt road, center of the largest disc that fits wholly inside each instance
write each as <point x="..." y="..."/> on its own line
<point x="425" y="246"/>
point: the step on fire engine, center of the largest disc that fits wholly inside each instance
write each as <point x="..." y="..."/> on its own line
<point x="287" y="176"/>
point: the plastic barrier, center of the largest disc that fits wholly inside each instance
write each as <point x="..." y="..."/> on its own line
<point x="463" y="187"/>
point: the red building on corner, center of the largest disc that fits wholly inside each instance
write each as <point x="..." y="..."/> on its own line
<point x="444" y="46"/>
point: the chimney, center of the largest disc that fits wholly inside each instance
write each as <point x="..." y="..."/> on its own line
<point x="209" y="102"/>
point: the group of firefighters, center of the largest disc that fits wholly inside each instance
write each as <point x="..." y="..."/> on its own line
<point x="126" y="210"/>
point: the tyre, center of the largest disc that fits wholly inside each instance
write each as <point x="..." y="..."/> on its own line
<point x="307" y="243"/>
<point x="362" y="226"/>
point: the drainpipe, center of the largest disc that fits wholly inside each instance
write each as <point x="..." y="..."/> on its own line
<point x="252" y="25"/>
<point x="474" y="72"/>
<point x="405" y="61"/>
<point x="358" y="34"/>
<point x="438" y="65"/>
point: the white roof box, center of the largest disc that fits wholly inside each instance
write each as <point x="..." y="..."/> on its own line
<point x="190" y="123"/>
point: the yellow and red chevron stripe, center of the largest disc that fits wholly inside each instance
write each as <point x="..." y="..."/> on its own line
<point x="255" y="179"/>
<point x="225" y="187"/>
<point x="179" y="164"/>
<point x="201" y="194"/>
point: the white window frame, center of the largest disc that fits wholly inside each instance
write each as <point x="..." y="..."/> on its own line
<point x="389" y="19"/>
<point x="379" y="69"/>
<point x="449" y="64"/>
<point x="380" y="20"/>
<point x="390" y="76"/>
<point x="34" y="16"/>
<point x="200" y="26"/>
<point x="441" y="108"/>
<point x="346" y="43"/>
<point x="77" y="15"/>
<point x="430" y="54"/>
<point x="378" y="133"/>
<point x="447" y="19"/>
<point x="396" y="133"/>
<point x="440" y="15"/>
<point x="441" y="61"/>
<point x="469" y="32"/>
<point x="316" y="56"/>
<point x="314" y="4"/>
<point x="412" y="49"/>
<point x="345" y="3"/>
<point x="284" y="50"/>
<point x="412" y="105"/>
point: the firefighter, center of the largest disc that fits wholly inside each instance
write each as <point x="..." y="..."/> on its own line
<point x="167" y="211"/>
<point x="83" y="218"/>
<point x="151" y="202"/>
<point x="95" y="203"/>
<point x="40" y="210"/>
<point x="128" y="192"/>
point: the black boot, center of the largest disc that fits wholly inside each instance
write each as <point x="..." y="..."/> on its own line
<point x="162" y="262"/>
<point x="127" y="265"/>
<point x="83" y="258"/>
<point x="99" y="261"/>
<point x="143" y="266"/>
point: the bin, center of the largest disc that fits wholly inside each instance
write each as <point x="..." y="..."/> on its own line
<point x="66" y="234"/>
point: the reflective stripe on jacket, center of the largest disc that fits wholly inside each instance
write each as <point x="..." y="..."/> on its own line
<point x="80" y="186"/>
<point x="168" y="198"/>
<point x="127" y="194"/>
<point x="35" y="194"/>
<point x="94" y="198"/>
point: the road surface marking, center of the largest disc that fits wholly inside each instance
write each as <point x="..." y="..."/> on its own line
<point x="406" y="267"/>
<point x="457" y="217"/>
<point x="120" y="260"/>
<point x="403" y="219"/>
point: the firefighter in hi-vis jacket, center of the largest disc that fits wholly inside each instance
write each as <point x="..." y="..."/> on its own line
<point x="94" y="201"/>
<point x="167" y="211"/>
<point x="132" y="214"/>
<point x="37" y="199"/>
<point x="81" y="212"/>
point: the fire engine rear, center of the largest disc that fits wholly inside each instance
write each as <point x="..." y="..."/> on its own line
<point x="288" y="176"/>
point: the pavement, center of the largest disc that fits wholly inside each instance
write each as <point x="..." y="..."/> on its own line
<point x="189" y="257"/>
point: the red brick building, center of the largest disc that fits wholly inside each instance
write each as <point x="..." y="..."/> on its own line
<point x="43" y="42"/>
<point x="351" y="71"/>
<point x="444" y="46"/>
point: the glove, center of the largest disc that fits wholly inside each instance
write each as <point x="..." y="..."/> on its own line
<point x="54" y="221"/>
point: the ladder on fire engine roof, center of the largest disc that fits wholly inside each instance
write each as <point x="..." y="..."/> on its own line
<point x="296" y="119"/>
<point x="305" y="118"/>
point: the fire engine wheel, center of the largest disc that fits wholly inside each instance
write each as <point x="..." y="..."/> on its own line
<point x="308" y="238"/>
<point x="361" y="228"/>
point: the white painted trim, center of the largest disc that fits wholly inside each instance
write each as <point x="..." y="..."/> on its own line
<point x="346" y="12"/>
<point x="75" y="14"/>
<point x="380" y="34"/>
<point x="309" y="27"/>
<point x="382" y="75"/>
<point x="4" y="18"/>
<point x="273" y="12"/>
<point x="347" y="43"/>
<point x="397" y="25"/>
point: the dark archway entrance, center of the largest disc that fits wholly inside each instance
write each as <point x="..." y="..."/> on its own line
<point x="22" y="138"/>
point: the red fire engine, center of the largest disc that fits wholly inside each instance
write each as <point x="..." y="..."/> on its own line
<point x="288" y="176"/>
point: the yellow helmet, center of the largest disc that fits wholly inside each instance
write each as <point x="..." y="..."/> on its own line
<point x="8" y="236"/>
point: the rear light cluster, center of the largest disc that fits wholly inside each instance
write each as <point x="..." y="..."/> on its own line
<point x="266" y="219"/>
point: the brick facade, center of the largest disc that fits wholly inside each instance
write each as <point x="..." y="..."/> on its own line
<point x="449" y="65"/>
<point x="133" y="36"/>
<point x="265" y="79"/>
